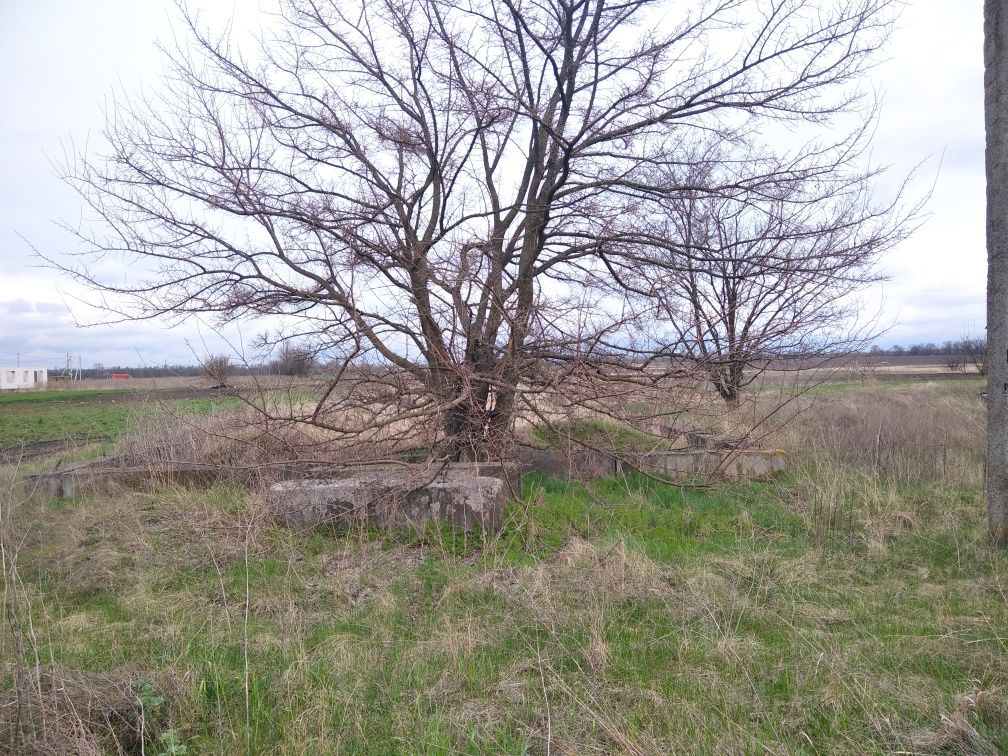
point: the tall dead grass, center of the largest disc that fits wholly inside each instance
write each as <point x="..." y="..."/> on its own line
<point x="860" y="455"/>
<point x="909" y="434"/>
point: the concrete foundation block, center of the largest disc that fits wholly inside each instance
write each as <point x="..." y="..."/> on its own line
<point x="737" y="464"/>
<point x="467" y="503"/>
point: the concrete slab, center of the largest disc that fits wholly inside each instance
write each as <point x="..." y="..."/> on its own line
<point x="467" y="503"/>
<point x="732" y="464"/>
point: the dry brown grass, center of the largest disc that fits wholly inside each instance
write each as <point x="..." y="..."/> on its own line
<point x="955" y="732"/>
<point x="903" y="431"/>
<point x="51" y="710"/>
<point x="859" y="454"/>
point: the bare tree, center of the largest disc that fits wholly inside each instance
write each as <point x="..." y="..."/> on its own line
<point x="218" y="369"/>
<point x="451" y="193"/>
<point x="954" y="362"/>
<point x="755" y="279"/>
<point x="996" y="123"/>
<point x="295" y="361"/>
<point x="974" y="352"/>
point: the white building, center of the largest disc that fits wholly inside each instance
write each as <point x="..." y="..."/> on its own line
<point x="22" y="377"/>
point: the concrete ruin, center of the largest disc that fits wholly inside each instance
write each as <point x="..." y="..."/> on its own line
<point x="414" y="492"/>
<point x="95" y="477"/>
<point x="104" y="476"/>
<point x="730" y="464"/>
<point x="472" y="503"/>
<point x="468" y="496"/>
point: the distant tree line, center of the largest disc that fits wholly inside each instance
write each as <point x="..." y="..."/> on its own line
<point x="930" y="348"/>
<point x="295" y="360"/>
<point x="959" y="354"/>
<point x="291" y="360"/>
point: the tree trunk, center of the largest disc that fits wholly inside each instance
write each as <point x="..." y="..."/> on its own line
<point x="727" y="390"/>
<point x="475" y="430"/>
<point x="996" y="123"/>
<point x="465" y="429"/>
<point x="727" y="379"/>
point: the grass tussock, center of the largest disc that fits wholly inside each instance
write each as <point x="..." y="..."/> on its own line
<point x="847" y="607"/>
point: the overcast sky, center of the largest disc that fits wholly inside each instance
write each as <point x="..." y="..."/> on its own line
<point x="62" y="60"/>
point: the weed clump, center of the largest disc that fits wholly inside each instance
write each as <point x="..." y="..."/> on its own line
<point x="55" y="711"/>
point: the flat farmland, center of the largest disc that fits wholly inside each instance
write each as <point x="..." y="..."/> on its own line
<point x="92" y="413"/>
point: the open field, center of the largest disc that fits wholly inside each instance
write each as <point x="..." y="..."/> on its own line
<point x="852" y="605"/>
<point x="159" y="384"/>
<point x="29" y="417"/>
<point x="162" y="383"/>
<point x="870" y="369"/>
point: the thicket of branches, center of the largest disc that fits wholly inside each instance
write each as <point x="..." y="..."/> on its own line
<point x="500" y="207"/>
<point x="218" y="369"/>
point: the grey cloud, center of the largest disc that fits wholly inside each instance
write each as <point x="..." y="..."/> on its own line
<point x="46" y="331"/>
<point x="16" y="307"/>
<point x="50" y="307"/>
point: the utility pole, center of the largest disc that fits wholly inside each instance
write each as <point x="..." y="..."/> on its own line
<point x="996" y="126"/>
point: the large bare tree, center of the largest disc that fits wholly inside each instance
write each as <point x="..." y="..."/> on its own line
<point x="770" y="277"/>
<point x="996" y="122"/>
<point x="451" y="192"/>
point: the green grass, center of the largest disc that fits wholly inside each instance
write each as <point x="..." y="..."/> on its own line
<point x="36" y="397"/>
<point x="947" y="386"/>
<point x="597" y="433"/>
<point x="25" y="422"/>
<point x="52" y="415"/>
